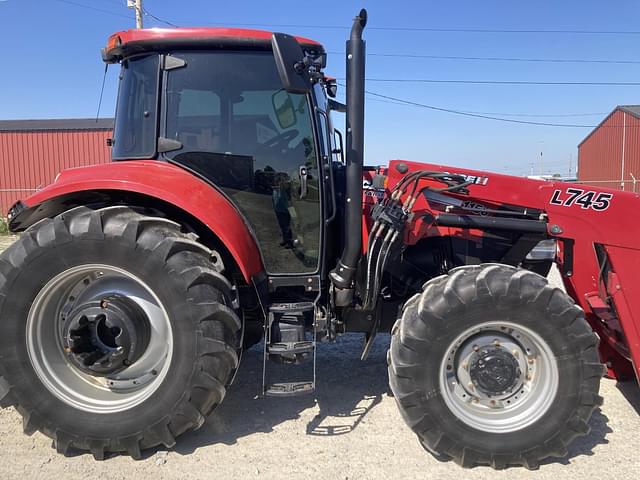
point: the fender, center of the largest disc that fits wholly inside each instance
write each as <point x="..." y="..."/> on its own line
<point x="158" y="180"/>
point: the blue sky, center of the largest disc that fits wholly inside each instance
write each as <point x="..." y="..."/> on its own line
<point x="51" y="67"/>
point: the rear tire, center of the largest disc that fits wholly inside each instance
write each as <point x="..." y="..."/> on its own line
<point x="458" y="359"/>
<point x="196" y="356"/>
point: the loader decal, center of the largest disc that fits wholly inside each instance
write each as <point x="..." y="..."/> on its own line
<point x="598" y="201"/>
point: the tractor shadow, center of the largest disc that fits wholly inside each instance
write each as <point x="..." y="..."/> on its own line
<point x="585" y="445"/>
<point x="631" y="392"/>
<point x="347" y="390"/>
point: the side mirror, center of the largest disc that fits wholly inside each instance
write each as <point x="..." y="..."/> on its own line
<point x="284" y="109"/>
<point x="290" y="62"/>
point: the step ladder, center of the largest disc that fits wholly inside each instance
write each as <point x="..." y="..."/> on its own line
<point x="289" y="353"/>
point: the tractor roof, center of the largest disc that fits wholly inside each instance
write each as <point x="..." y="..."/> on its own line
<point x="130" y="42"/>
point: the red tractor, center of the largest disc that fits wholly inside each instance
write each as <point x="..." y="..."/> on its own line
<point x="228" y="214"/>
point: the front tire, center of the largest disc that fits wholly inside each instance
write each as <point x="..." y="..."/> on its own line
<point x="116" y="332"/>
<point x="490" y="365"/>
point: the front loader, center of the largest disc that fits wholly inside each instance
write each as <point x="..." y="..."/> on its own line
<point x="234" y="212"/>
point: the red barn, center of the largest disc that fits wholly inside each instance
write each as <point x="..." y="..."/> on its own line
<point x="610" y="155"/>
<point x="33" y="152"/>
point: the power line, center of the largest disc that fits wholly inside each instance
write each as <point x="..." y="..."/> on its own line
<point x="436" y="29"/>
<point x="387" y="28"/>
<point x="509" y="31"/>
<point x="161" y="20"/>
<point x="477" y="115"/>
<point x="498" y="82"/>
<point x="89" y="7"/>
<point x="490" y="117"/>
<point x="497" y="59"/>
<point x="502" y="114"/>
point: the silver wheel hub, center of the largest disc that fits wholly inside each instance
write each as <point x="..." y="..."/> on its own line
<point x="99" y="339"/>
<point x="499" y="377"/>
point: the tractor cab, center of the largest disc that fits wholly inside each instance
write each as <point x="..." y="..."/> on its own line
<point x="211" y="101"/>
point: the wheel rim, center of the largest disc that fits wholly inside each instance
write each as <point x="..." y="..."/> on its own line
<point x="99" y="338"/>
<point x="499" y="377"/>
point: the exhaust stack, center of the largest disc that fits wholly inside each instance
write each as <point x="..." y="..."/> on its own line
<point x="343" y="275"/>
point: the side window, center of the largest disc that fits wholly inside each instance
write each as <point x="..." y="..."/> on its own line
<point x="134" y="134"/>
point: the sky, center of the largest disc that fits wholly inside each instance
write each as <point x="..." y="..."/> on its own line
<point x="51" y="68"/>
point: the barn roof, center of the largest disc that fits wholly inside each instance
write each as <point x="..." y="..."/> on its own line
<point x="56" y="124"/>
<point x="630" y="109"/>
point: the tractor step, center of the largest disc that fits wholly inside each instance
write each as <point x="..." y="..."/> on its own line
<point x="289" y="389"/>
<point x="283" y="348"/>
<point x="287" y="343"/>
<point x="291" y="308"/>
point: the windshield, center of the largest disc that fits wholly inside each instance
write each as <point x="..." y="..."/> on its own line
<point x="231" y="121"/>
<point x="134" y="134"/>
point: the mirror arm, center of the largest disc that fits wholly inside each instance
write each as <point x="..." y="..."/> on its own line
<point x="337" y="106"/>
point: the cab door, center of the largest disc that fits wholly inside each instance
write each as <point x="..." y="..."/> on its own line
<point x="234" y="125"/>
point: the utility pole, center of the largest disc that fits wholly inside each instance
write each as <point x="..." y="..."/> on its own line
<point x="570" y="162"/>
<point x="541" y="142"/>
<point x="137" y="6"/>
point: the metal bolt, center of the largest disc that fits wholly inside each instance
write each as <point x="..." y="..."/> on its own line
<point x="528" y="376"/>
<point x="104" y="304"/>
<point x="492" y="402"/>
<point x="555" y="230"/>
<point x="309" y="280"/>
<point x="530" y="361"/>
<point x="475" y="400"/>
<point x="514" y="352"/>
<point x="470" y="385"/>
<point x="349" y="57"/>
<point x="496" y="342"/>
<point x="476" y="348"/>
<point x="465" y="365"/>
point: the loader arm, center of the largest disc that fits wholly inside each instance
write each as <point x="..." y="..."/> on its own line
<point x="598" y="247"/>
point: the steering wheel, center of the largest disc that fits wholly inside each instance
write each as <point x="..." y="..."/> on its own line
<point x="280" y="141"/>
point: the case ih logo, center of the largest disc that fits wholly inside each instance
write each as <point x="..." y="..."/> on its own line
<point x="474" y="179"/>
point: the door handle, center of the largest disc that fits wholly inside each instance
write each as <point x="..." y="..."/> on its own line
<point x="303" y="173"/>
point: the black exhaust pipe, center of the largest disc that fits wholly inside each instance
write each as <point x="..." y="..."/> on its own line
<point x="344" y="273"/>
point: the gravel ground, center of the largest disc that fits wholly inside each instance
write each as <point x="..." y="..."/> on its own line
<point x="349" y="429"/>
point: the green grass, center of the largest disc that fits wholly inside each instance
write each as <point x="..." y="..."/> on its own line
<point x="4" y="228"/>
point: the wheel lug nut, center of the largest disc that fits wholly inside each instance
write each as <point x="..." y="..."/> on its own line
<point x="492" y="402"/>
<point x="470" y="385"/>
<point x="514" y="352"/>
<point x="465" y="365"/>
<point x="476" y="348"/>
<point x="530" y="361"/>
<point x="496" y="342"/>
<point x="104" y="304"/>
